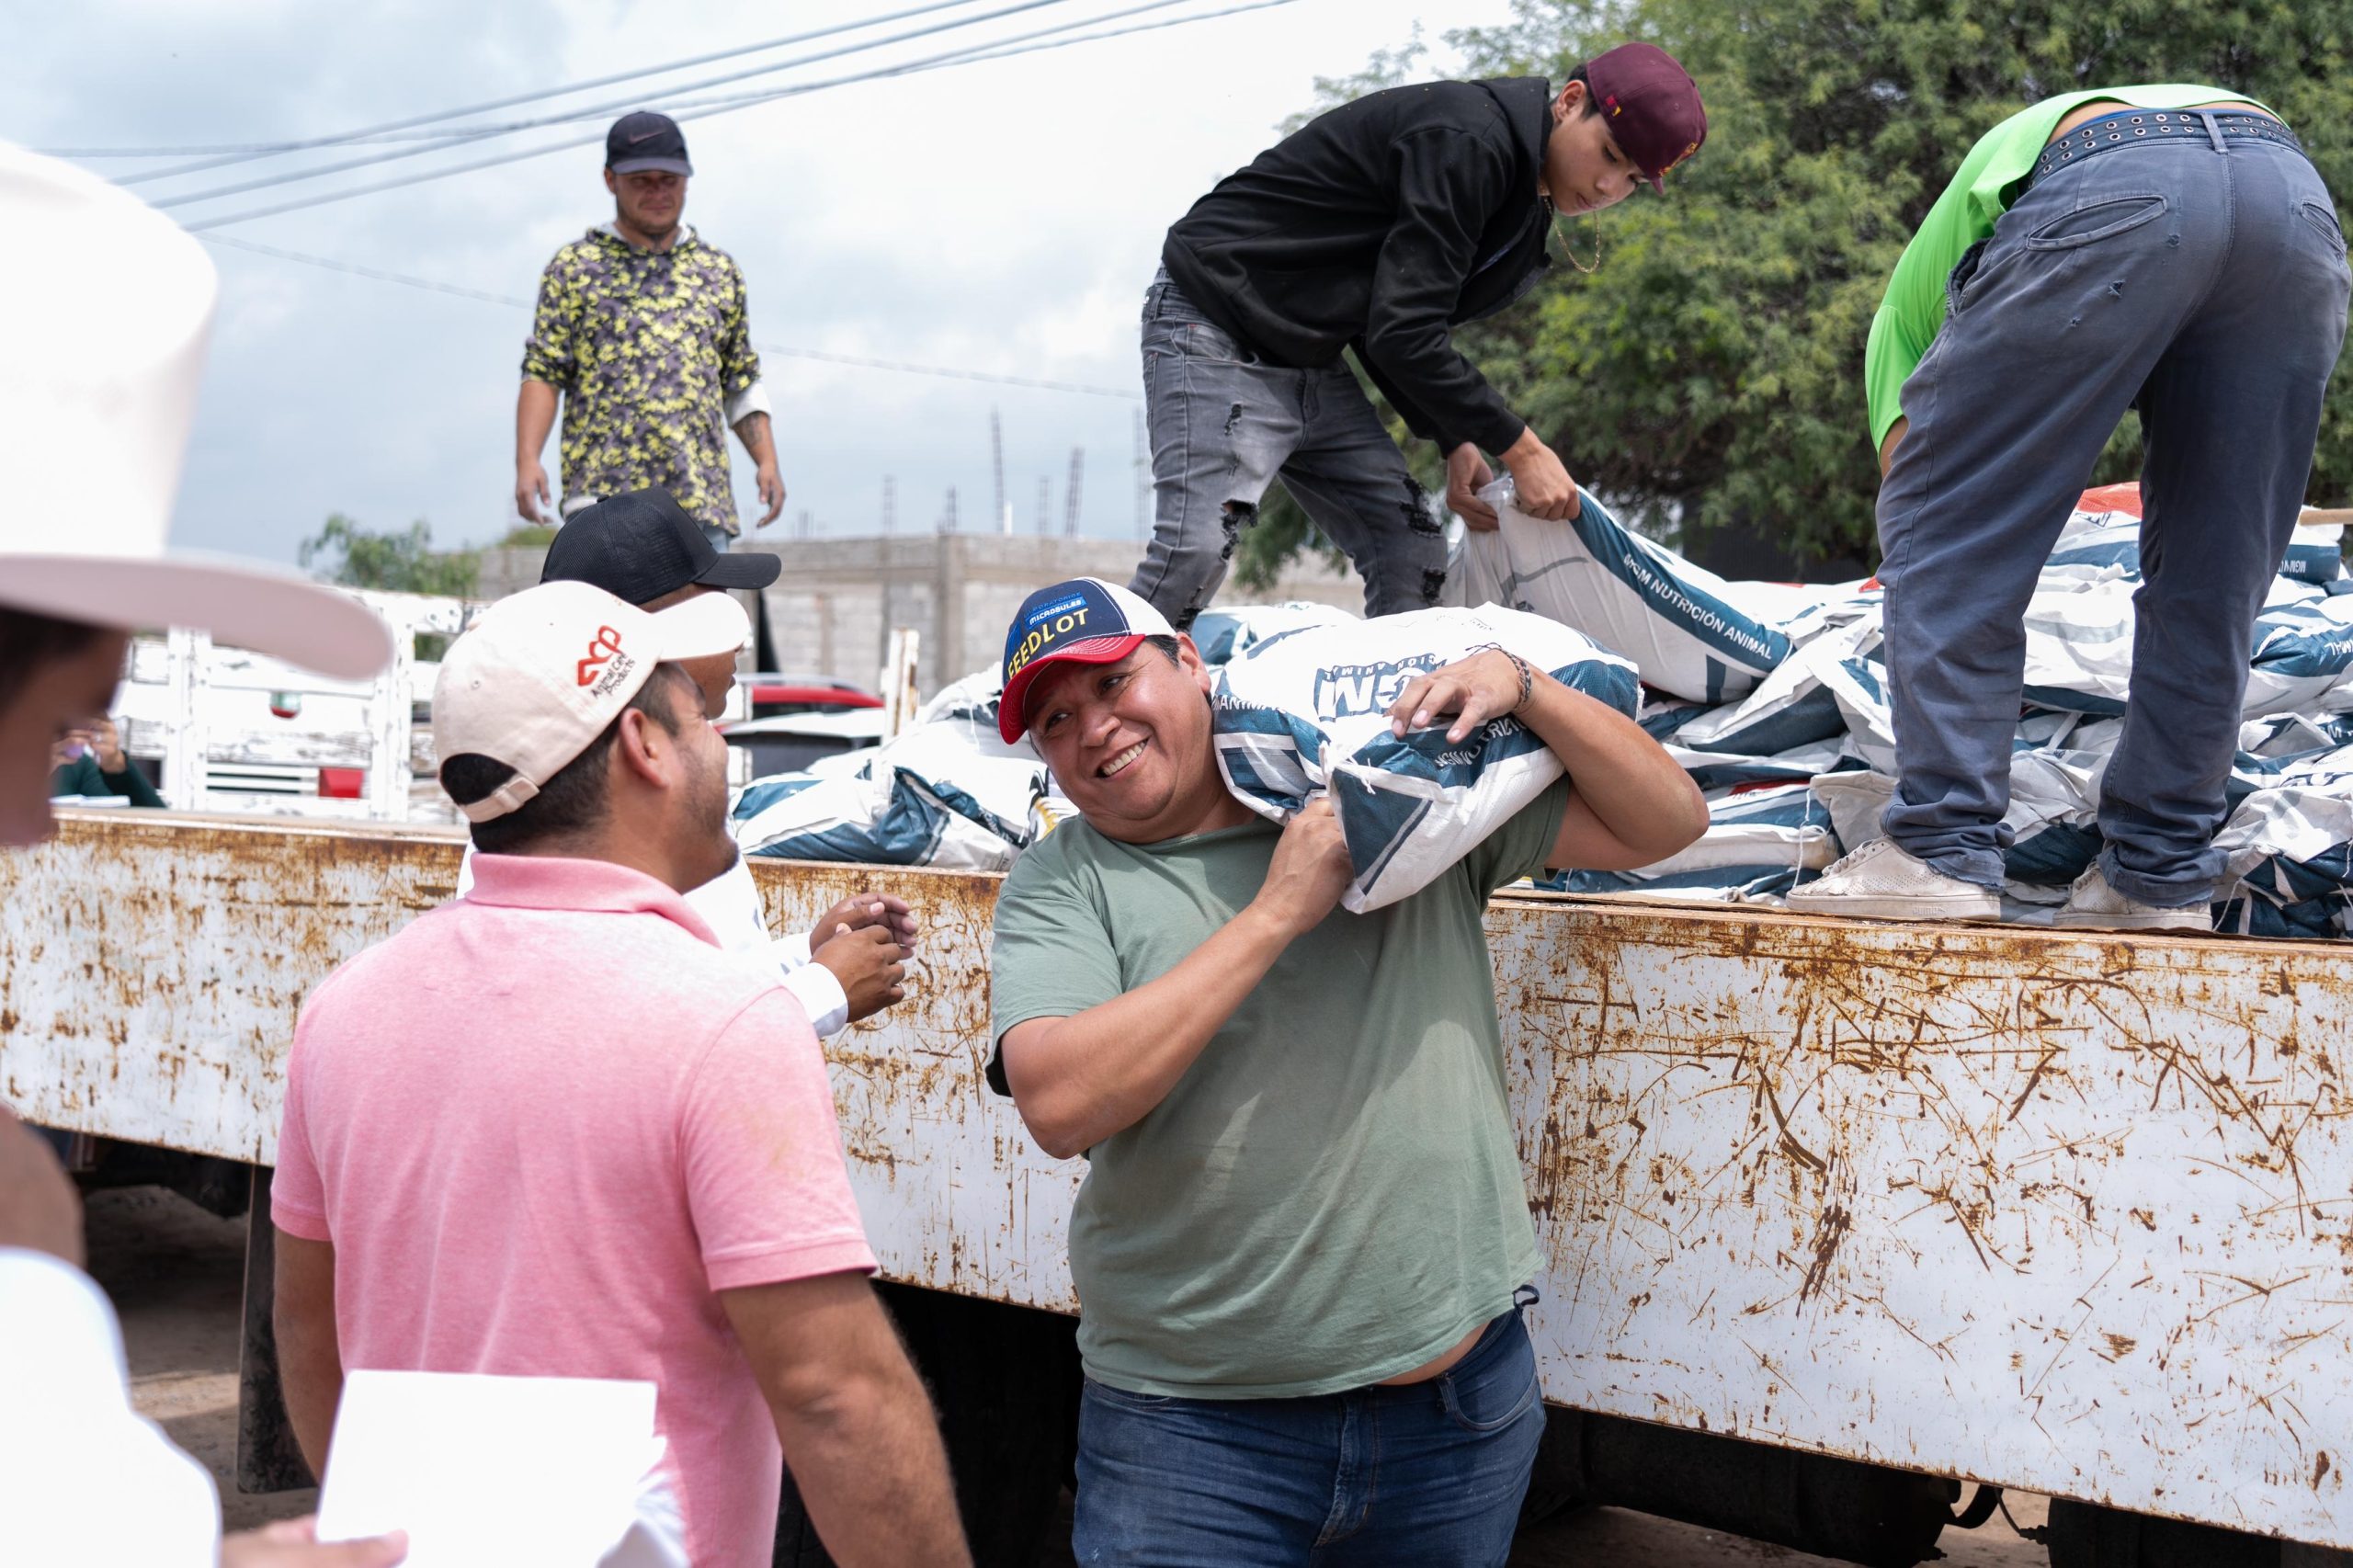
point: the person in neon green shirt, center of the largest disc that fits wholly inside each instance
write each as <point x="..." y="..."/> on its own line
<point x="2168" y="248"/>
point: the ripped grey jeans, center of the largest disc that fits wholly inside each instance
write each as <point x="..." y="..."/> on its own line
<point x="1225" y="425"/>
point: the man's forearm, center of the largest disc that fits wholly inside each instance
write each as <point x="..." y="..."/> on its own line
<point x="753" y="431"/>
<point x="535" y="407"/>
<point x="309" y="1373"/>
<point x="869" y="1467"/>
<point x="1628" y="780"/>
<point x="1080" y="1079"/>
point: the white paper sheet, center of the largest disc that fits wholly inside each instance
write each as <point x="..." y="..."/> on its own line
<point x="489" y="1471"/>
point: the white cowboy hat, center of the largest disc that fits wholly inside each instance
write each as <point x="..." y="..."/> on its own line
<point x="104" y="308"/>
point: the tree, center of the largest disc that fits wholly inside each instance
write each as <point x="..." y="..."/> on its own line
<point x="402" y="562"/>
<point x="1709" y="375"/>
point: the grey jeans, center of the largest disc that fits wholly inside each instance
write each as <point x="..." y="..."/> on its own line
<point x="2203" y="281"/>
<point x="1225" y="425"/>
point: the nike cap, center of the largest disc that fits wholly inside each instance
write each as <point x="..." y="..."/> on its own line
<point x="644" y="140"/>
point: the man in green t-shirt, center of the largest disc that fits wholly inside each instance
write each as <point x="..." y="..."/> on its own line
<point x="1303" y="1235"/>
<point x="2165" y="249"/>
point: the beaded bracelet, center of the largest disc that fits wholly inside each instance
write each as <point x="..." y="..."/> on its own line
<point x="1519" y="667"/>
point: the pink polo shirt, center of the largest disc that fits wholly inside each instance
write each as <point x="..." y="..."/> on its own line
<point x="542" y="1126"/>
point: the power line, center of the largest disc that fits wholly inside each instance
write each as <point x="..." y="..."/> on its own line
<point x="464" y="135"/>
<point x="965" y="56"/>
<point x="241" y="152"/>
<point x="946" y="372"/>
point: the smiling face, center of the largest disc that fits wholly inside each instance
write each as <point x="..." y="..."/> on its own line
<point x="1583" y="169"/>
<point x="1128" y="742"/>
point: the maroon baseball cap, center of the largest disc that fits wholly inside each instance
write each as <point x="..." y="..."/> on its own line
<point x="1652" y="106"/>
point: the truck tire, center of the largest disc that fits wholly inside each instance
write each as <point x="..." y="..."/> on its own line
<point x="1006" y="1383"/>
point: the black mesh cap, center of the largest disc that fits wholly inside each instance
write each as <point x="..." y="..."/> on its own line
<point x="641" y="545"/>
<point x="646" y="141"/>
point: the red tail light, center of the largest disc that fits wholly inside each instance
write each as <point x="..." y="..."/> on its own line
<point x="342" y="783"/>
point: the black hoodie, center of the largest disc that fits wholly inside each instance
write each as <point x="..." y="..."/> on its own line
<point x="1379" y="227"/>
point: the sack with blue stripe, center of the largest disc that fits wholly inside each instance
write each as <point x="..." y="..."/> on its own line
<point x="877" y="817"/>
<point x="2109" y="542"/>
<point x="1307" y="714"/>
<point x="1221" y="631"/>
<point x="1760" y="844"/>
<point x="2288" y="854"/>
<point x="1690" y="634"/>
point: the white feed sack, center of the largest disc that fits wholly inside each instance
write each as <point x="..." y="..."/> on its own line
<point x="1224" y="630"/>
<point x="880" y="818"/>
<point x="1478" y="571"/>
<point x="1308" y="714"/>
<point x="948" y="793"/>
<point x="1687" y="630"/>
<point x="1758" y="844"/>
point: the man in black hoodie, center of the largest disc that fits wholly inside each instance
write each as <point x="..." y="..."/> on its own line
<point x="1380" y="226"/>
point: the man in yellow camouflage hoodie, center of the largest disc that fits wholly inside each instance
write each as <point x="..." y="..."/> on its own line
<point x="644" y="332"/>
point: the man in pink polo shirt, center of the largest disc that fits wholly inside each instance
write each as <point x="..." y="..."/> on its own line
<point x="553" y="1129"/>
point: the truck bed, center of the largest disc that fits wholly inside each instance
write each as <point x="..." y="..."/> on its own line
<point x="2069" y="1213"/>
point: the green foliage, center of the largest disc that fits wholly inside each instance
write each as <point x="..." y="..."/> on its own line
<point x="400" y="563"/>
<point x="526" y="536"/>
<point x="1282" y="533"/>
<point x="1710" y="374"/>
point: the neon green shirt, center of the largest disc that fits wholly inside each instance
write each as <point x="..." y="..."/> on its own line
<point x="1913" y="309"/>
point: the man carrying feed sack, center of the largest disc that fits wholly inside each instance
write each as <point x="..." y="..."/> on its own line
<point x="1302" y="1246"/>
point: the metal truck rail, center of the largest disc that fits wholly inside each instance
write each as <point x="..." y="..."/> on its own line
<point x="2067" y="1213"/>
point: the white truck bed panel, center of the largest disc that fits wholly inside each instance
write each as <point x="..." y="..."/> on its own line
<point x="2070" y="1214"/>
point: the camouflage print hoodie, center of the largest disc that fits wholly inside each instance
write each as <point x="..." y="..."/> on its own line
<point x="649" y="348"/>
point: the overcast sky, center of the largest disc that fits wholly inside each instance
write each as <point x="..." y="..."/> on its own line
<point x="1001" y="217"/>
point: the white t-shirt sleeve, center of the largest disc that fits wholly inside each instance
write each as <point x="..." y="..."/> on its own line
<point x="730" y="905"/>
<point x="72" y="1450"/>
<point x="819" y="995"/>
<point x="753" y="399"/>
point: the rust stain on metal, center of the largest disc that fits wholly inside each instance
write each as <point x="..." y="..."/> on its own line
<point x="2073" y="1214"/>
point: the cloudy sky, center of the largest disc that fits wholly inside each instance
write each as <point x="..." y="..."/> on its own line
<point x="1001" y="217"/>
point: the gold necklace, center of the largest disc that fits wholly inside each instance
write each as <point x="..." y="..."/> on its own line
<point x="1571" y="254"/>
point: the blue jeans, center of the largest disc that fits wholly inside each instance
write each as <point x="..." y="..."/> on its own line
<point x="2203" y="281"/>
<point x="1225" y="425"/>
<point x="1429" y="1474"/>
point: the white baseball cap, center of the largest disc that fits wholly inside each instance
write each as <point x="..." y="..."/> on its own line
<point x="105" y="305"/>
<point x="540" y="675"/>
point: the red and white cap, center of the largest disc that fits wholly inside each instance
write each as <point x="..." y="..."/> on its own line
<point x="1081" y="621"/>
<point x="543" y="673"/>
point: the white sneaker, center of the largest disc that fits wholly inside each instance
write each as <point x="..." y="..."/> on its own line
<point x="1881" y="882"/>
<point x="2094" y="905"/>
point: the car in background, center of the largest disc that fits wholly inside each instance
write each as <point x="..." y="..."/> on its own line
<point x="772" y="696"/>
<point x="789" y="743"/>
<point x="798" y="719"/>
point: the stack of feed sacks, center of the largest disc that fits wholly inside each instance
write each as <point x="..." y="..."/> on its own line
<point x="1773" y="697"/>
<point x="947" y="791"/>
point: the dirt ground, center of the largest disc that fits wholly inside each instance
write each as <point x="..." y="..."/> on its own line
<point x="175" y="1274"/>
